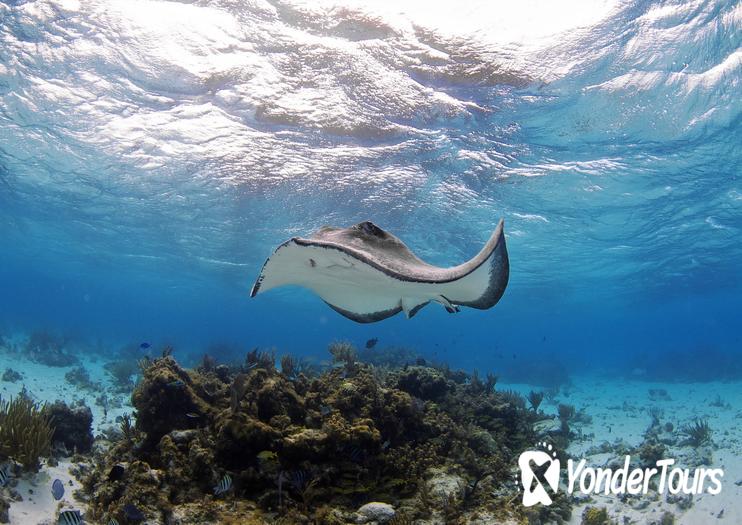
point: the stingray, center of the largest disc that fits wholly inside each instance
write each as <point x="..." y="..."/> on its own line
<point x="368" y="274"/>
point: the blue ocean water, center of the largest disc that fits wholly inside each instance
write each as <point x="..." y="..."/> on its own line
<point x="152" y="155"/>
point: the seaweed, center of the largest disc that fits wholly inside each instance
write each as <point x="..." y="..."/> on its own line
<point x="256" y="358"/>
<point x="127" y="429"/>
<point x="143" y="364"/>
<point x="289" y="366"/>
<point x="535" y="399"/>
<point x="698" y="433"/>
<point x="304" y="483"/>
<point x="513" y="398"/>
<point x="208" y="364"/>
<point x="343" y="352"/>
<point x="656" y="414"/>
<point x="122" y="372"/>
<point x="25" y="431"/>
<point x="566" y="415"/>
<point x="491" y="381"/>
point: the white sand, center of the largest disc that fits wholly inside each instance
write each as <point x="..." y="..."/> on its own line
<point x="620" y="411"/>
<point x="47" y="384"/>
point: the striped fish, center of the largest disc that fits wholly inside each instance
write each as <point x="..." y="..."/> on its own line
<point x="4" y="475"/>
<point x="224" y="485"/>
<point x="113" y="521"/>
<point x="70" y="517"/>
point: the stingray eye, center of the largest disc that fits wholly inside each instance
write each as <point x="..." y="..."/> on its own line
<point x="312" y="263"/>
<point x="370" y="228"/>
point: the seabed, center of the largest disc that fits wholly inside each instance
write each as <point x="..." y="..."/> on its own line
<point x="376" y="436"/>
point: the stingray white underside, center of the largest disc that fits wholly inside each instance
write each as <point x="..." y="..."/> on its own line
<point x="359" y="290"/>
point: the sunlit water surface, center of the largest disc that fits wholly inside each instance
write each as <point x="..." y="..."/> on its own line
<point x="152" y="154"/>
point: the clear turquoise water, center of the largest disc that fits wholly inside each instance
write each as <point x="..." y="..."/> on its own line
<point x="153" y="154"/>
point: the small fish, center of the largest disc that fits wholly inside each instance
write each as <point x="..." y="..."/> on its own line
<point x="113" y="521"/>
<point x="372" y="342"/>
<point x="70" y="517"/>
<point x="224" y="485"/>
<point x="4" y="475"/>
<point x="385" y="444"/>
<point x="116" y="473"/>
<point x="176" y="384"/>
<point x="192" y="415"/>
<point x="57" y="489"/>
<point x="144" y="346"/>
<point x="324" y="410"/>
<point x="133" y="514"/>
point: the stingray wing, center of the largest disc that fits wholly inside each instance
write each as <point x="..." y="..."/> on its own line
<point x="367" y="274"/>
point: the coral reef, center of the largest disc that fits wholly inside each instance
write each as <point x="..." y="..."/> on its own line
<point x="11" y="376"/>
<point x="122" y="371"/>
<point x="48" y="349"/>
<point x="301" y="448"/>
<point x="72" y="426"/>
<point x="390" y="356"/>
<point x="595" y="516"/>
<point x="25" y="431"/>
<point x="80" y="378"/>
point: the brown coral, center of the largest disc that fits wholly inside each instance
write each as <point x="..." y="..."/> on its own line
<point x="293" y="445"/>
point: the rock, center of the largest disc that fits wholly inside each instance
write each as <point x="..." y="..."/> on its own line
<point x="222" y="372"/>
<point x="11" y="376"/>
<point x="183" y="436"/>
<point x="375" y="512"/>
<point x="443" y="484"/>
<point x="163" y="398"/>
<point x="547" y="426"/>
<point x="423" y="382"/>
<point x="72" y="426"/>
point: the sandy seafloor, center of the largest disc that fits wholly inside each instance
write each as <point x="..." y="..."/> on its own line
<point x="47" y="384"/>
<point x="619" y="409"/>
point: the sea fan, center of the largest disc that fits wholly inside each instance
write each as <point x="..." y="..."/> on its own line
<point x="535" y="399"/>
<point x="25" y="431"/>
<point x="698" y="432"/>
